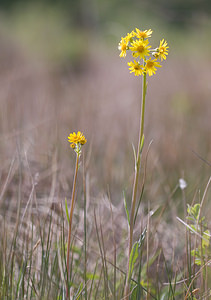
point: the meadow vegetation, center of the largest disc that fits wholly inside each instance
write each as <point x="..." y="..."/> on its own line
<point x="82" y="84"/>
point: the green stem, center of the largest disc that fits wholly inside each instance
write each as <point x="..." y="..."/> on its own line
<point x="138" y="162"/>
<point x="70" y="223"/>
<point x="85" y="240"/>
<point x="136" y="178"/>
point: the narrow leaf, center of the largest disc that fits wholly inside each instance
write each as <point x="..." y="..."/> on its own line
<point x="66" y="210"/>
<point x="78" y="293"/>
<point x="133" y="258"/>
<point x="142" y="143"/>
<point x="126" y="209"/>
<point x="134" y="153"/>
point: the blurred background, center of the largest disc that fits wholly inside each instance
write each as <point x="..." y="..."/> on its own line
<point x="60" y="72"/>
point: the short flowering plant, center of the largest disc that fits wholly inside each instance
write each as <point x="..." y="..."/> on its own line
<point x="147" y="58"/>
<point x="77" y="140"/>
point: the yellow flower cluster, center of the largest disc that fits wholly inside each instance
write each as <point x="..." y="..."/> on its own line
<point x="137" y="42"/>
<point x="76" y="141"/>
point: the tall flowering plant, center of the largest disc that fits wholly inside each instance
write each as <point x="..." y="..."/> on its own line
<point x="146" y="61"/>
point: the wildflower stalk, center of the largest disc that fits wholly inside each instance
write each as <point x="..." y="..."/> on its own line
<point x="76" y="142"/>
<point x="135" y="184"/>
<point x="137" y="42"/>
<point x="70" y="222"/>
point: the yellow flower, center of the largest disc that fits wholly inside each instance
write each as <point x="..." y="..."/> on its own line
<point x="129" y="36"/>
<point x="137" y="42"/>
<point x="143" y="34"/>
<point x="123" y="46"/>
<point x="151" y="65"/>
<point x="76" y="139"/>
<point x="140" y="48"/>
<point x="82" y="140"/>
<point x="162" y="50"/>
<point x="136" y="68"/>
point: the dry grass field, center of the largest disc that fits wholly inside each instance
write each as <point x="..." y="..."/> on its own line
<point x="42" y="102"/>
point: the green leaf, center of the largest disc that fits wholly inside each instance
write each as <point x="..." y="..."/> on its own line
<point x="126" y="209"/>
<point x="198" y="261"/>
<point x="193" y="227"/>
<point x="134" y="153"/>
<point x="133" y="258"/>
<point x="190" y="218"/>
<point x="189" y="209"/>
<point x="206" y="239"/>
<point x="150" y="262"/>
<point x="196" y="210"/>
<point x="195" y="253"/>
<point x="142" y="237"/>
<point x="78" y="293"/>
<point x="76" y="249"/>
<point x="66" y="210"/>
<point x="92" y="276"/>
<point x="142" y="143"/>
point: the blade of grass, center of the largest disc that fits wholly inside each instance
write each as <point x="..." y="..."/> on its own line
<point x="90" y="292"/>
<point x="147" y="240"/>
<point x="114" y="245"/>
<point x="66" y="211"/>
<point x="102" y="257"/>
<point x="126" y="209"/>
<point x="171" y="290"/>
<point x="97" y="288"/>
<point x="140" y="243"/>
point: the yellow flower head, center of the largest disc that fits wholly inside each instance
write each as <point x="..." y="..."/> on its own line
<point x="151" y="65"/>
<point x="76" y="139"/>
<point x="143" y="34"/>
<point x="129" y="36"/>
<point x="123" y="46"/>
<point x="162" y="50"/>
<point x="140" y="48"/>
<point x="137" y="42"/>
<point x="136" y="68"/>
